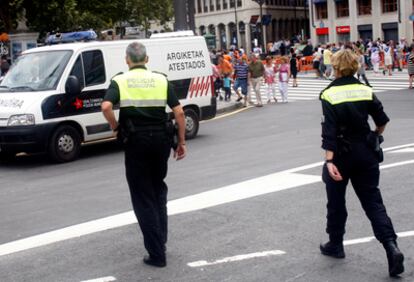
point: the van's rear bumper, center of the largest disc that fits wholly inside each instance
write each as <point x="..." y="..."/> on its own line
<point x="209" y="112"/>
<point x="28" y="139"/>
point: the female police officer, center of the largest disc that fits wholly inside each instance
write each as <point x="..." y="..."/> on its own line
<point x="350" y="155"/>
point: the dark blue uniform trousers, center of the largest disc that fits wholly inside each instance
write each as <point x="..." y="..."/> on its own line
<point x="360" y="165"/>
<point x="146" y="161"/>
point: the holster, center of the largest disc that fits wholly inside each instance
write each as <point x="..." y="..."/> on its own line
<point x="374" y="141"/>
<point x="172" y="132"/>
<point x="125" y="130"/>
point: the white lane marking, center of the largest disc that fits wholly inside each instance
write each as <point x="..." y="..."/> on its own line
<point x="102" y="279"/>
<point x="202" y="263"/>
<point x="243" y="190"/>
<point x="271" y="183"/>
<point x="370" y="239"/>
<point x="397" y="164"/>
<point x="406" y="150"/>
<point x="397" y="147"/>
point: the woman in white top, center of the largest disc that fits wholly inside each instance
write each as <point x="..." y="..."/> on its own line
<point x="388" y="52"/>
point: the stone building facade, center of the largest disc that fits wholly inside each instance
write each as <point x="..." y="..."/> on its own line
<point x="282" y="19"/>
<point x="350" y="20"/>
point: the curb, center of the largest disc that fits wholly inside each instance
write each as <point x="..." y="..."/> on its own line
<point x="228" y="108"/>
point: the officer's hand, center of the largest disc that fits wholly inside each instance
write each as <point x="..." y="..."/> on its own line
<point x="180" y="152"/>
<point x="334" y="172"/>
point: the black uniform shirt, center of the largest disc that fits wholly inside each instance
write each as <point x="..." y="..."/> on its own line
<point x="141" y="116"/>
<point x="349" y="119"/>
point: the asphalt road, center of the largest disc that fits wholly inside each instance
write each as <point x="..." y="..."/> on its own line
<point x="261" y="206"/>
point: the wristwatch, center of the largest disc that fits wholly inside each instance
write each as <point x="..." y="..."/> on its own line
<point x="329" y="161"/>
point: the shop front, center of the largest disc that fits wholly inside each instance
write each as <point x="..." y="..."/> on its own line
<point x="390" y="31"/>
<point x="365" y="31"/>
<point x="343" y="33"/>
<point x="322" y="34"/>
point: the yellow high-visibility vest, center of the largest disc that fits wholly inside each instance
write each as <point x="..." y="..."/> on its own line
<point x="347" y="93"/>
<point x="142" y="88"/>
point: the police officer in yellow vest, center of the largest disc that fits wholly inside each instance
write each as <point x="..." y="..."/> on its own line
<point x="352" y="153"/>
<point x="143" y="96"/>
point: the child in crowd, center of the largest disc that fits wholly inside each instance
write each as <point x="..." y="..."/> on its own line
<point x="284" y="74"/>
<point x="270" y="79"/>
<point x="294" y="69"/>
<point x="226" y="87"/>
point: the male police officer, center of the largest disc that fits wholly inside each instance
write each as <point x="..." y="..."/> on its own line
<point x="143" y="96"/>
<point x="353" y="153"/>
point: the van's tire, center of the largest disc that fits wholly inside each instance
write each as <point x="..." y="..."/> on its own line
<point x="192" y="122"/>
<point x="7" y="156"/>
<point x="65" y="144"/>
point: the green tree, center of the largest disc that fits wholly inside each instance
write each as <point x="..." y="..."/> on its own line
<point x="67" y="15"/>
<point x="10" y="11"/>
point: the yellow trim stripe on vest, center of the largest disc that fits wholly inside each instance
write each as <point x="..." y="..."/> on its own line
<point x="142" y="88"/>
<point x="347" y="93"/>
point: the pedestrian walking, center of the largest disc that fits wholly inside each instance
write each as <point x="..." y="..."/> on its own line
<point x="410" y="66"/>
<point x="256" y="73"/>
<point x="226" y="87"/>
<point x="284" y="74"/>
<point x="270" y="73"/>
<point x="294" y="69"/>
<point x="225" y="68"/>
<point x="361" y="69"/>
<point x="146" y="135"/>
<point x="241" y="72"/>
<point x="327" y="54"/>
<point x="375" y="58"/>
<point x="388" y="54"/>
<point x="352" y="153"/>
<point x="316" y="63"/>
<point x="4" y="65"/>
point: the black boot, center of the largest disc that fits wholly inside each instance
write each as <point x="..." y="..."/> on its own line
<point x="154" y="261"/>
<point x="395" y="258"/>
<point x="335" y="250"/>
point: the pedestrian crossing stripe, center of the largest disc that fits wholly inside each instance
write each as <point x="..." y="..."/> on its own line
<point x="309" y="87"/>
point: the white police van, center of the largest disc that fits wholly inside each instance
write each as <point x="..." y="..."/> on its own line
<point x="50" y="99"/>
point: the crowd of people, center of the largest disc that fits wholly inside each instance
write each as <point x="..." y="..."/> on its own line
<point x="245" y="73"/>
<point x="281" y="61"/>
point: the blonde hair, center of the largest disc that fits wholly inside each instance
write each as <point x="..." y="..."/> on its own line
<point x="284" y="59"/>
<point x="345" y="62"/>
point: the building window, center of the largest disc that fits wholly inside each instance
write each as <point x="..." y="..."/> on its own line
<point x="364" y="7"/>
<point x="321" y="10"/>
<point x="205" y="6"/>
<point x="342" y="9"/>
<point x="225" y="5"/>
<point x="218" y="5"/>
<point x="389" y="6"/>
<point x="199" y="6"/>
<point x="239" y="3"/>
<point x="232" y="3"/>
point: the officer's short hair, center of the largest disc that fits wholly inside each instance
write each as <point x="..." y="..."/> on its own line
<point x="345" y="62"/>
<point x="136" y="52"/>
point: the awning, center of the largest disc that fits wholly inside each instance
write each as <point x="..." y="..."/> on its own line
<point x="319" y="1"/>
<point x="390" y="26"/>
<point x="365" y="27"/>
<point x="254" y="19"/>
<point x="266" y="19"/>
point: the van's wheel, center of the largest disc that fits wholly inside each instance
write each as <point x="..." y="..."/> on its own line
<point x="191" y="123"/>
<point x="7" y="156"/>
<point x="65" y="144"/>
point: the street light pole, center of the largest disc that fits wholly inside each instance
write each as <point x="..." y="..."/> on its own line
<point x="236" y="24"/>
<point x="261" y="2"/>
